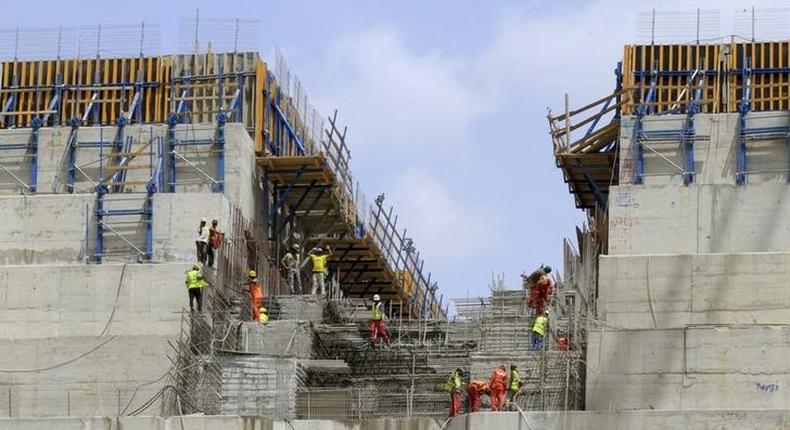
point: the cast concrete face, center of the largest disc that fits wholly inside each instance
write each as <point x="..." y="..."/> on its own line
<point x="693" y="301"/>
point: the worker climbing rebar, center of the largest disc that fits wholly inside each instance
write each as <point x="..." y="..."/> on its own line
<point x="291" y="262"/>
<point x="540" y="285"/>
<point x="377" y="327"/>
<point x="195" y="284"/>
<point x="453" y="386"/>
<point x="539" y="330"/>
<point x="498" y="386"/>
<point x="474" y="392"/>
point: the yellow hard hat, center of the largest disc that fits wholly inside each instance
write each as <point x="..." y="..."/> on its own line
<point x="262" y="309"/>
<point x="252" y="274"/>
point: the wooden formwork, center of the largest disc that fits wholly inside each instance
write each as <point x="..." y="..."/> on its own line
<point x="210" y="81"/>
<point x="769" y="63"/>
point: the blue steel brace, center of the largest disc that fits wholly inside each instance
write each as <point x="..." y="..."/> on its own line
<point x="148" y="214"/>
<point x="643" y="109"/>
<point x="36" y="124"/>
<point x="71" y="155"/>
<point x="219" y="186"/>
<point x="101" y="190"/>
<point x="743" y="110"/>
<point x="172" y="121"/>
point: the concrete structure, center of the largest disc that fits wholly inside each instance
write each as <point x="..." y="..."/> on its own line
<point x="693" y="304"/>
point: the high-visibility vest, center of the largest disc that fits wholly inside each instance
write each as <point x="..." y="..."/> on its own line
<point x="453" y="383"/>
<point x="319" y="262"/>
<point x="195" y="279"/>
<point x="540" y="325"/>
<point x="515" y="380"/>
<point x="377" y="312"/>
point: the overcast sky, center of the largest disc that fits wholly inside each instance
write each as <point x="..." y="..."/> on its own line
<point x="445" y="103"/>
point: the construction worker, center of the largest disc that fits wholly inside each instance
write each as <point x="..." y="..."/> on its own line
<point x="377" y="321"/>
<point x="539" y="330"/>
<point x="256" y="295"/>
<point x="475" y="391"/>
<point x="215" y="239"/>
<point x="453" y="386"/>
<point x="319" y="256"/>
<point x="291" y="262"/>
<point x="541" y="286"/>
<point x="195" y="284"/>
<point x="201" y="242"/>
<point x="514" y="385"/>
<point x="562" y="344"/>
<point x="263" y="315"/>
<point x="497" y="385"/>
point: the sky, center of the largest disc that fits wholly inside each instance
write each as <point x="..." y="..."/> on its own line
<point x="445" y="103"/>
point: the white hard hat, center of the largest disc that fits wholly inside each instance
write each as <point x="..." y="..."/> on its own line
<point x="376" y="297"/>
<point x="202" y="219"/>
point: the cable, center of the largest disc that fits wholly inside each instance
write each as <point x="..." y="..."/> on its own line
<point x="115" y="304"/>
<point x="65" y="363"/>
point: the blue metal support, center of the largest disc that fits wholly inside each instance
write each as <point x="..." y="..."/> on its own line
<point x="743" y="110"/>
<point x="71" y="156"/>
<point x="644" y="108"/>
<point x="172" y="121"/>
<point x="219" y="186"/>
<point x="282" y="121"/>
<point x="32" y="152"/>
<point x="295" y="207"/>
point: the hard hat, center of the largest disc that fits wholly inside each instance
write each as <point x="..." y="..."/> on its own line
<point x="376" y="297"/>
<point x="203" y="219"/>
<point x="195" y="267"/>
<point x="546" y="312"/>
<point x="262" y="309"/>
<point x="295" y="246"/>
<point x="547" y="269"/>
<point x="252" y="274"/>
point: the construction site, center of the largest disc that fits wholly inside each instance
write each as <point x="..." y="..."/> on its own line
<point x="670" y="310"/>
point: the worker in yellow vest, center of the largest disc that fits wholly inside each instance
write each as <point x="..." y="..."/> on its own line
<point x="263" y="315"/>
<point x="453" y="386"/>
<point x="319" y="256"/>
<point x="377" y="321"/>
<point x="514" y="385"/>
<point x="539" y="330"/>
<point x="195" y="284"/>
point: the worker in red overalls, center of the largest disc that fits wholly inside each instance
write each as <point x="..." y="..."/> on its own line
<point x="498" y="385"/>
<point x="475" y="391"/>
<point x="541" y="286"/>
<point x="256" y="295"/>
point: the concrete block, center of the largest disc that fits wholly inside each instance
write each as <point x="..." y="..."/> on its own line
<point x="53" y="301"/>
<point x="176" y="220"/>
<point x="699" y="367"/>
<point x="665" y="291"/>
<point x="277" y="338"/>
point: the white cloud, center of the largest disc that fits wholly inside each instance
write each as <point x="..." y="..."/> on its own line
<point x="397" y="98"/>
<point x="443" y="227"/>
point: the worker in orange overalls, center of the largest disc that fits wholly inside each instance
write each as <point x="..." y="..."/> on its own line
<point x="475" y="391"/>
<point x="256" y="295"/>
<point x="498" y="384"/>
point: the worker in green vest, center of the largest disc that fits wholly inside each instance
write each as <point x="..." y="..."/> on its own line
<point x="514" y="385"/>
<point x="453" y="386"/>
<point x="195" y="284"/>
<point x="377" y="321"/>
<point x="539" y="330"/>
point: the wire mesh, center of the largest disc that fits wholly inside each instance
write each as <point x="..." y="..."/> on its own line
<point x="677" y="26"/>
<point x="762" y="24"/>
<point x="95" y="41"/>
<point x="222" y="34"/>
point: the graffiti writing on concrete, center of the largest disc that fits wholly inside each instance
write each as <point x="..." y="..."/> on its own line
<point x="768" y="388"/>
